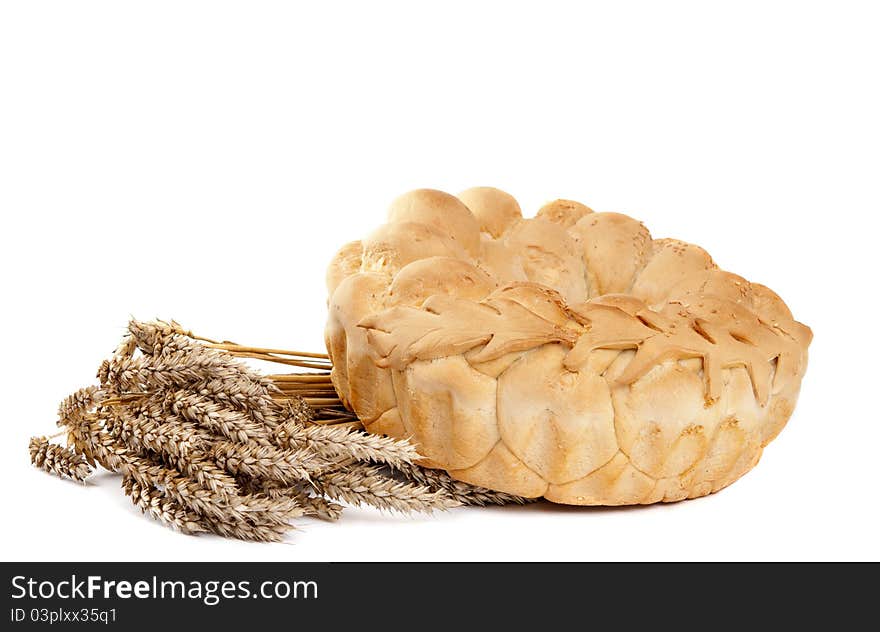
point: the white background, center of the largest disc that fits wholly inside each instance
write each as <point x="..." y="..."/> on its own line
<point x="203" y="161"/>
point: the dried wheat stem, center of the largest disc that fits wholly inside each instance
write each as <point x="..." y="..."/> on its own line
<point x="123" y="399"/>
<point x="305" y="391"/>
<point x="229" y="346"/>
<point x="295" y="408"/>
<point x="300" y="377"/>
<point x="312" y="397"/>
<point x="307" y="387"/>
<point x="338" y="418"/>
<point x="322" y="401"/>
<point x="305" y="364"/>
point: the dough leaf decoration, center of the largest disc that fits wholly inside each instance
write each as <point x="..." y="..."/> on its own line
<point x="445" y="326"/>
<point x="720" y="332"/>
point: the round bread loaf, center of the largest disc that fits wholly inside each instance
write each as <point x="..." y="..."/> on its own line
<point x="569" y="356"/>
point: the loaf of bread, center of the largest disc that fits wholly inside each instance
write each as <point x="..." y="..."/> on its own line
<point x="569" y="356"/>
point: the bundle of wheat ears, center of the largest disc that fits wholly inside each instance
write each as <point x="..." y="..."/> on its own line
<point x="205" y="443"/>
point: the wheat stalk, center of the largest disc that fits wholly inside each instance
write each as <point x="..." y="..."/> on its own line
<point x="58" y="460"/>
<point x="232" y="424"/>
<point x="334" y="442"/>
<point x="205" y="443"/>
<point x="267" y="462"/>
<point x="464" y="493"/>
<point x="369" y="486"/>
<point x="80" y="402"/>
<point x="153" y="501"/>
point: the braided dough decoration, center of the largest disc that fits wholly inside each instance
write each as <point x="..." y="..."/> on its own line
<point x="569" y="356"/>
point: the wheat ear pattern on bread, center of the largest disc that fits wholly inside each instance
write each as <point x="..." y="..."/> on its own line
<point x="569" y="356"/>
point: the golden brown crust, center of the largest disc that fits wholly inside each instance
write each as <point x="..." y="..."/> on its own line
<point x="624" y="370"/>
<point x="391" y="247"/>
<point x="449" y="276"/>
<point x="671" y="262"/>
<point x="566" y="213"/>
<point x="345" y="262"/>
<point x="495" y="210"/>
<point x="614" y="248"/>
<point x="442" y="212"/>
<point x="549" y="256"/>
